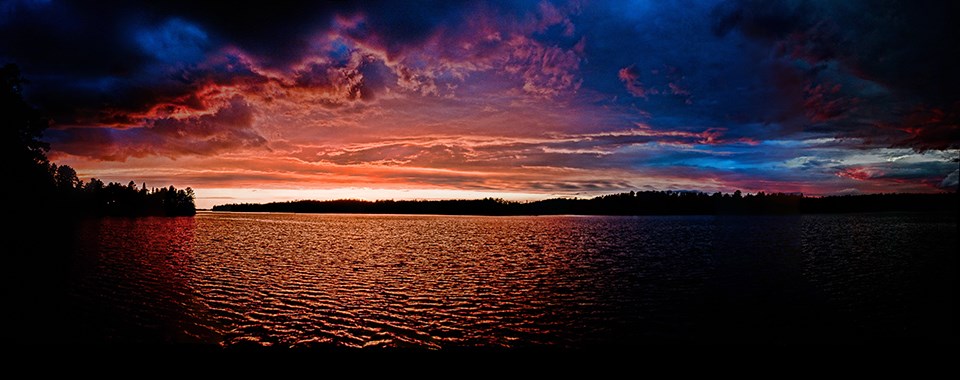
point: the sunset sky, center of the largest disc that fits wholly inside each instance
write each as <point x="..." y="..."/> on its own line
<point x="512" y="99"/>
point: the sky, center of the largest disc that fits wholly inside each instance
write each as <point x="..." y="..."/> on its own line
<point x="519" y="100"/>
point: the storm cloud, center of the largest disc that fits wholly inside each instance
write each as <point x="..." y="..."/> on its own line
<point x="535" y="96"/>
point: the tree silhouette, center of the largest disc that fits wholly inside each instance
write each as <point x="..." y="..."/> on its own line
<point x="632" y="203"/>
<point x="65" y="178"/>
<point x="50" y="188"/>
<point x="23" y="127"/>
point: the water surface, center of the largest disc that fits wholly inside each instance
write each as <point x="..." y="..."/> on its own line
<point x="465" y="281"/>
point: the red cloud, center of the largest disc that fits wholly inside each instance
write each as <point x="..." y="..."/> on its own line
<point x="631" y="78"/>
<point x="824" y="102"/>
<point x="858" y="173"/>
<point x="932" y="128"/>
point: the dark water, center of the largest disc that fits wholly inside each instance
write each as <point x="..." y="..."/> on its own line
<point x="455" y="281"/>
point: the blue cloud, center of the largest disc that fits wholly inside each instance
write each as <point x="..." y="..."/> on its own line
<point x="175" y="41"/>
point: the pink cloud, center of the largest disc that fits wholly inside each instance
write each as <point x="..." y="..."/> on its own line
<point x="857" y="173"/>
<point x="631" y="78"/>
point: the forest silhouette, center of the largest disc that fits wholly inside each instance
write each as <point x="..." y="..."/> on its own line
<point x="632" y="203"/>
<point x="50" y="188"/>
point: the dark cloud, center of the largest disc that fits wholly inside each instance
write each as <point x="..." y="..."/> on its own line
<point x="736" y="90"/>
<point x="906" y="47"/>
<point x="69" y="39"/>
<point x="951" y="181"/>
<point x="228" y="129"/>
<point x="125" y="56"/>
<point x="930" y="128"/>
<point x="82" y="55"/>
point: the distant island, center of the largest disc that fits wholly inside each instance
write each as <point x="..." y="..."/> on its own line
<point x="46" y="188"/>
<point x="632" y="203"/>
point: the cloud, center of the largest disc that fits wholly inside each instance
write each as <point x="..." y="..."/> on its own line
<point x="547" y="71"/>
<point x="125" y="60"/>
<point x="849" y="191"/>
<point x="951" y="180"/>
<point x="333" y="82"/>
<point x="823" y="104"/>
<point x="927" y="173"/>
<point x="631" y="78"/>
<point x="429" y="59"/>
<point x="585" y="151"/>
<point x="175" y="41"/>
<point x="859" y="173"/>
<point x="229" y="129"/>
<point x="552" y="96"/>
<point x="893" y="57"/>
<point x="930" y="128"/>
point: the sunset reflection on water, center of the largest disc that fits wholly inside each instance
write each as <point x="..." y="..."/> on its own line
<point x="453" y="281"/>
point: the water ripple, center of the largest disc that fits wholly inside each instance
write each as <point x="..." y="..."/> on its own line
<point x="437" y="281"/>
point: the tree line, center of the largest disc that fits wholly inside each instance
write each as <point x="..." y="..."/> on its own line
<point x="632" y="203"/>
<point x="46" y="187"/>
<point x="116" y="199"/>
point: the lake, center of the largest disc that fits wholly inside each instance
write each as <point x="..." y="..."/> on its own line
<point x="311" y="280"/>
